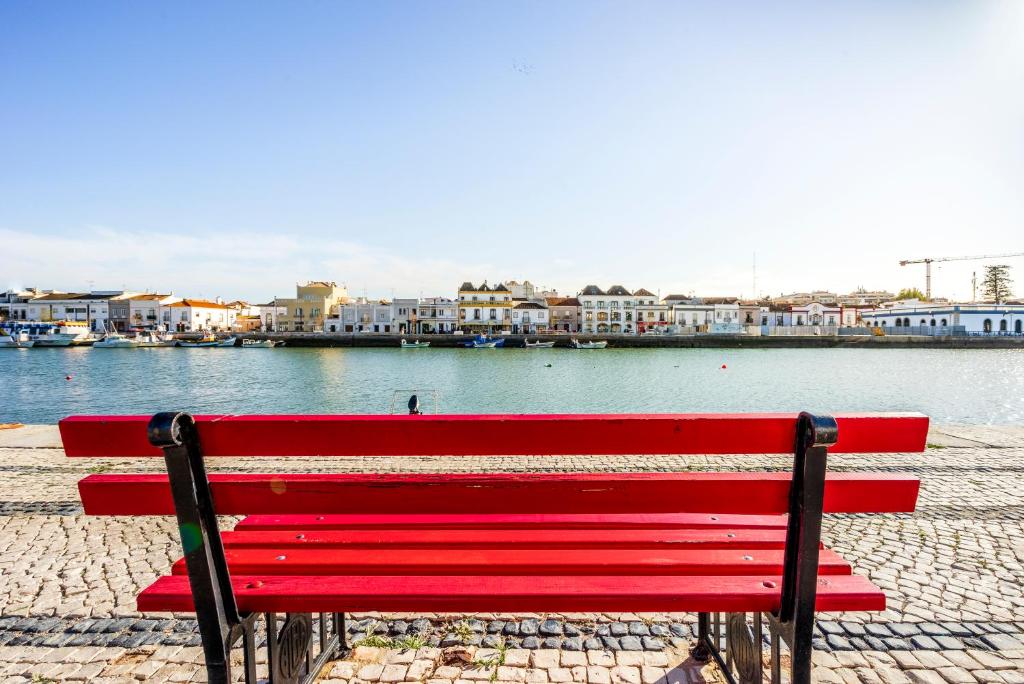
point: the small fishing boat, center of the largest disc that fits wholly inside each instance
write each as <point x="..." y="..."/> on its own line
<point x="16" y="340"/>
<point x="115" y="340"/>
<point x="600" y="344"/>
<point x="260" y="344"/>
<point x="539" y="345"/>
<point x="151" y="339"/>
<point x="485" y="342"/>
<point x="228" y="342"/>
<point x="205" y="341"/>
<point x="415" y="345"/>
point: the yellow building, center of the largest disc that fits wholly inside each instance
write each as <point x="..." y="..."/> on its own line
<point x="312" y="303"/>
<point x="485" y="309"/>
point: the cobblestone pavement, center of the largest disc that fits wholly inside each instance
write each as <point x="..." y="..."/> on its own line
<point x="952" y="572"/>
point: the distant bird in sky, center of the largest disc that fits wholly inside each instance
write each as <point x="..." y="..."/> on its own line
<point x="523" y="67"/>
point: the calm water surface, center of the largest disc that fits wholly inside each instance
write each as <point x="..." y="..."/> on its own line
<point x="980" y="386"/>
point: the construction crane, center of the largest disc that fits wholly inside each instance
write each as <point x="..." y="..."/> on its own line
<point x="928" y="265"/>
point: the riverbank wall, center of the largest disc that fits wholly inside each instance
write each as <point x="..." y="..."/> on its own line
<point x="296" y="339"/>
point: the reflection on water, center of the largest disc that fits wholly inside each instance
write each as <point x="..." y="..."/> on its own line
<point x="985" y="386"/>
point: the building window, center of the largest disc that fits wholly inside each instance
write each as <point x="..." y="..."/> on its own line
<point x="943" y="323"/>
<point x="933" y="323"/>
<point x="1002" y="325"/>
<point x="494" y="314"/>
<point x="987" y="325"/>
<point x="1017" y="327"/>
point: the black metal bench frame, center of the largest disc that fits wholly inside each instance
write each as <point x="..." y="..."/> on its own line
<point x="295" y="657"/>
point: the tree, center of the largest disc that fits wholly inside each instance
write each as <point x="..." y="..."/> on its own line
<point x="910" y="293"/>
<point x="996" y="285"/>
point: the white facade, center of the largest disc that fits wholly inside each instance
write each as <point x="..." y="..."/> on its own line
<point x="144" y="310"/>
<point x="269" y="314"/>
<point x="976" y="319"/>
<point x="361" y="316"/>
<point x="816" y="313"/>
<point x="403" y="314"/>
<point x="437" y="315"/>
<point x="529" y="318"/>
<point x="92" y="308"/>
<point x="197" y="315"/>
<point x="613" y="311"/>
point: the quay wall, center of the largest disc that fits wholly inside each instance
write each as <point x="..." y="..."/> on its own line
<point x="295" y="339"/>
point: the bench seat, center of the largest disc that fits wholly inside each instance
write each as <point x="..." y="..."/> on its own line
<point x="515" y="593"/>
<point x="533" y="521"/>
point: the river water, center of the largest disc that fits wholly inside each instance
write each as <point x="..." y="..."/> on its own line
<point x="966" y="386"/>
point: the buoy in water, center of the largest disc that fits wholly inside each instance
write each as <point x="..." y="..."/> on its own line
<point x="724" y="366"/>
<point x="547" y="365"/>
<point x="67" y="377"/>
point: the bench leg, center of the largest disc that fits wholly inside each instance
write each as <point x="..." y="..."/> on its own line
<point x="794" y="623"/>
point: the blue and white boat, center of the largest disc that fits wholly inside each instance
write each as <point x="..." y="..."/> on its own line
<point x="485" y="342"/>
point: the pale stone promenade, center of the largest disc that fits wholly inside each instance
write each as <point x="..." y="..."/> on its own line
<point x="952" y="571"/>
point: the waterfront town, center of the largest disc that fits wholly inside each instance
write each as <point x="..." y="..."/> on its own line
<point x="513" y="307"/>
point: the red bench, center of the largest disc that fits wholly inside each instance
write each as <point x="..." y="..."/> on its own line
<point x="329" y="544"/>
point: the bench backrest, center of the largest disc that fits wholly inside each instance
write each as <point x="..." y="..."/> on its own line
<point x="468" y="493"/>
<point x="495" y="435"/>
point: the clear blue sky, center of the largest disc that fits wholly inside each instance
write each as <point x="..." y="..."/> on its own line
<point x="233" y="148"/>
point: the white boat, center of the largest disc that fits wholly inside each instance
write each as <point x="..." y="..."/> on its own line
<point x="56" y="334"/>
<point x="576" y="344"/>
<point x="259" y="344"/>
<point x="153" y="339"/>
<point x="539" y="345"/>
<point x="16" y="341"/>
<point x="227" y="342"/>
<point x="415" y="345"/>
<point x="115" y="340"/>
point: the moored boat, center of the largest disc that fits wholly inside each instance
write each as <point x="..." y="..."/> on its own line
<point x="17" y="340"/>
<point x="150" y="339"/>
<point x="260" y="344"/>
<point x="115" y="340"/>
<point x="49" y="334"/>
<point x="597" y="344"/>
<point x="415" y="345"/>
<point x="228" y="342"/>
<point x="538" y="344"/>
<point x="485" y="342"/>
<point x="204" y="341"/>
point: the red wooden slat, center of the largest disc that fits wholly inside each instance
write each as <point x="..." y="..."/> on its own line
<point x="611" y="540"/>
<point x="738" y="493"/>
<point x="604" y="521"/>
<point x="292" y="560"/>
<point x="490" y="594"/>
<point x="462" y="435"/>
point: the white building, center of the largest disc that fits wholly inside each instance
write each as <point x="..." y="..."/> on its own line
<point x="93" y="308"/>
<point x="912" y="315"/>
<point x="403" y="314"/>
<point x="361" y="316"/>
<point x="529" y="318"/>
<point x="197" y="315"/>
<point x="437" y="315"/>
<point x="613" y="311"/>
<point x="269" y="314"/>
<point x="144" y="310"/>
<point x="816" y="313"/>
<point x="14" y="303"/>
<point x="651" y="312"/>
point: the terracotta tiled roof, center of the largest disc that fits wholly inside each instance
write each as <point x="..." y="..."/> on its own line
<point x="568" y="301"/>
<point x="199" y="304"/>
<point x="618" y="291"/>
<point x="529" y="305"/>
<point x="592" y="290"/>
<point x="644" y="293"/>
